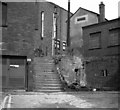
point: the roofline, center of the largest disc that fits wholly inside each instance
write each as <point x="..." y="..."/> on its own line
<point x="83" y="9"/>
<point x="88" y="11"/>
<point x="105" y="22"/>
<point x="59" y="7"/>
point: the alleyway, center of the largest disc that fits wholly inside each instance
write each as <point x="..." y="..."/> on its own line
<point x="63" y="100"/>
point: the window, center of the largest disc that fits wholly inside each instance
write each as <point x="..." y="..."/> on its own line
<point x="3" y="46"/>
<point x="57" y="44"/>
<point x="81" y="19"/>
<point x="42" y="24"/>
<point x="113" y="37"/>
<point x="104" y="72"/>
<point x="4" y="14"/>
<point x="95" y="40"/>
<point x="54" y="26"/>
<point x="64" y="45"/>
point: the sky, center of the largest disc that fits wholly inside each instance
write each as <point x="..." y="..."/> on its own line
<point x="112" y="9"/>
<point x="111" y="6"/>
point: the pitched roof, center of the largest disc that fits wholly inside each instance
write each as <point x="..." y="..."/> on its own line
<point x="85" y="10"/>
<point x="60" y="7"/>
<point x="105" y="22"/>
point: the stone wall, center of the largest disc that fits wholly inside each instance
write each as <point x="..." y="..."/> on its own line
<point x="67" y="66"/>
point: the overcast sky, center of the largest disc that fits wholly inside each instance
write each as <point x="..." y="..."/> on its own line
<point x="111" y="6"/>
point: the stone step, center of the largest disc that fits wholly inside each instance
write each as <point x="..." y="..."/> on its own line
<point x="47" y="73"/>
<point x="49" y="81"/>
<point x="44" y="61"/>
<point x="38" y="58"/>
<point x="44" y="65"/>
<point x="43" y="71"/>
<point x="47" y="77"/>
<point x="42" y="68"/>
<point x="48" y="84"/>
<point x="48" y="88"/>
<point x="43" y="90"/>
<point x="44" y="57"/>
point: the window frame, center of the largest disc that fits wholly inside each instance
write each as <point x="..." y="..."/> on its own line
<point x="42" y="24"/>
<point x="4" y="14"/>
<point x="80" y="17"/>
<point x="111" y="34"/>
<point x="57" y="44"/>
<point x="91" y="39"/>
<point x="64" y="45"/>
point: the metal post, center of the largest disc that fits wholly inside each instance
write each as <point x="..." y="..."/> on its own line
<point x="56" y="36"/>
<point x="56" y="16"/>
<point x="68" y="26"/>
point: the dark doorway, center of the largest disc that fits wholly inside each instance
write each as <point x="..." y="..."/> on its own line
<point x="14" y="72"/>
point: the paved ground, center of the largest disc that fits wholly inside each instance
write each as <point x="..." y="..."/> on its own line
<point x="64" y="100"/>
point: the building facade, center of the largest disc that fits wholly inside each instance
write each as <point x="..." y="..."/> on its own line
<point x="32" y="26"/>
<point x="27" y="30"/>
<point x="83" y="17"/>
<point x="101" y="51"/>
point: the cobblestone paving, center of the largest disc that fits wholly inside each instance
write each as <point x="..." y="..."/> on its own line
<point x="64" y="100"/>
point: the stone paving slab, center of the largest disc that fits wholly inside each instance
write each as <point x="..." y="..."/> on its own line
<point x="65" y="100"/>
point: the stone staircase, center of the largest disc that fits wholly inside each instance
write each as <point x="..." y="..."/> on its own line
<point x="46" y="79"/>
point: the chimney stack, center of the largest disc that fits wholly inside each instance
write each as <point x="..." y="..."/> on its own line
<point x="102" y="12"/>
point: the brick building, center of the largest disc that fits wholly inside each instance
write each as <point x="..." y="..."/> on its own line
<point x="25" y="28"/>
<point x="28" y="26"/>
<point x="101" y="50"/>
<point x="83" y="17"/>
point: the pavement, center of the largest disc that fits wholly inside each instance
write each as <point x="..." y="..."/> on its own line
<point x="89" y="99"/>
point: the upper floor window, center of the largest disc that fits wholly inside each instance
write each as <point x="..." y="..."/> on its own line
<point x="42" y="24"/>
<point x="64" y="45"/>
<point x="95" y="40"/>
<point x="54" y="25"/>
<point x="3" y="46"/>
<point x="113" y="39"/>
<point x="57" y="44"/>
<point x="3" y="7"/>
<point x="81" y="19"/>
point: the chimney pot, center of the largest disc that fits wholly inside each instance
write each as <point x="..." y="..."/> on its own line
<point x="102" y="12"/>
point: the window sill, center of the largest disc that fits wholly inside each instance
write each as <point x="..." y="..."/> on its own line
<point x="113" y="46"/>
<point x="4" y="26"/>
<point x="94" y="48"/>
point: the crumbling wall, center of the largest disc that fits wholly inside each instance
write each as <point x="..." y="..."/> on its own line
<point x="73" y="70"/>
